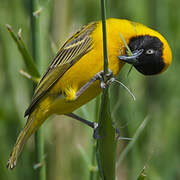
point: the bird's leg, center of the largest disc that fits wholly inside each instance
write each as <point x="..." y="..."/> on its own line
<point x="105" y="80"/>
<point x="93" y="125"/>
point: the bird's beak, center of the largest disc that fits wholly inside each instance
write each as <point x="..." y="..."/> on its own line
<point x="133" y="59"/>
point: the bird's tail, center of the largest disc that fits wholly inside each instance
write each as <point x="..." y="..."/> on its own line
<point x="31" y="126"/>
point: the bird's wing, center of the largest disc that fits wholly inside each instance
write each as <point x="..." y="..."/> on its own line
<point x="73" y="49"/>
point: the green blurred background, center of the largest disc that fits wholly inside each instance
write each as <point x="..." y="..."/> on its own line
<point x="68" y="143"/>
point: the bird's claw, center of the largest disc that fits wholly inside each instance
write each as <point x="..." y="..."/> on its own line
<point x="106" y="79"/>
<point x="96" y="131"/>
<point x="118" y="133"/>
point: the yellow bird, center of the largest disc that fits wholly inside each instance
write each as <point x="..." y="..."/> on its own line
<point x="73" y="77"/>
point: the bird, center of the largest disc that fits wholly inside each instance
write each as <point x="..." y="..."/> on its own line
<point x="75" y="75"/>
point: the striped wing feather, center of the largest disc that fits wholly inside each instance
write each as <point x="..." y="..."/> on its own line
<point x="78" y="45"/>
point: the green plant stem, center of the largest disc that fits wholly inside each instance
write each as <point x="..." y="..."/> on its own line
<point x="36" y="41"/>
<point x="106" y="144"/>
<point x="103" y="15"/>
<point x="93" y="170"/>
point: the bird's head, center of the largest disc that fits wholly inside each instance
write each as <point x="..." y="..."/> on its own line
<point x="151" y="53"/>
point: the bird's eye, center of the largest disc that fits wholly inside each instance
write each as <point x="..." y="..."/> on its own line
<point x="150" y="51"/>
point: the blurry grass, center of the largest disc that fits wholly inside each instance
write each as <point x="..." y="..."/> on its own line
<point x="158" y="144"/>
<point x="132" y="141"/>
<point x="37" y="37"/>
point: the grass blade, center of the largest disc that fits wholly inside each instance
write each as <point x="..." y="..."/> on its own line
<point x="132" y="142"/>
<point x="28" y="60"/>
